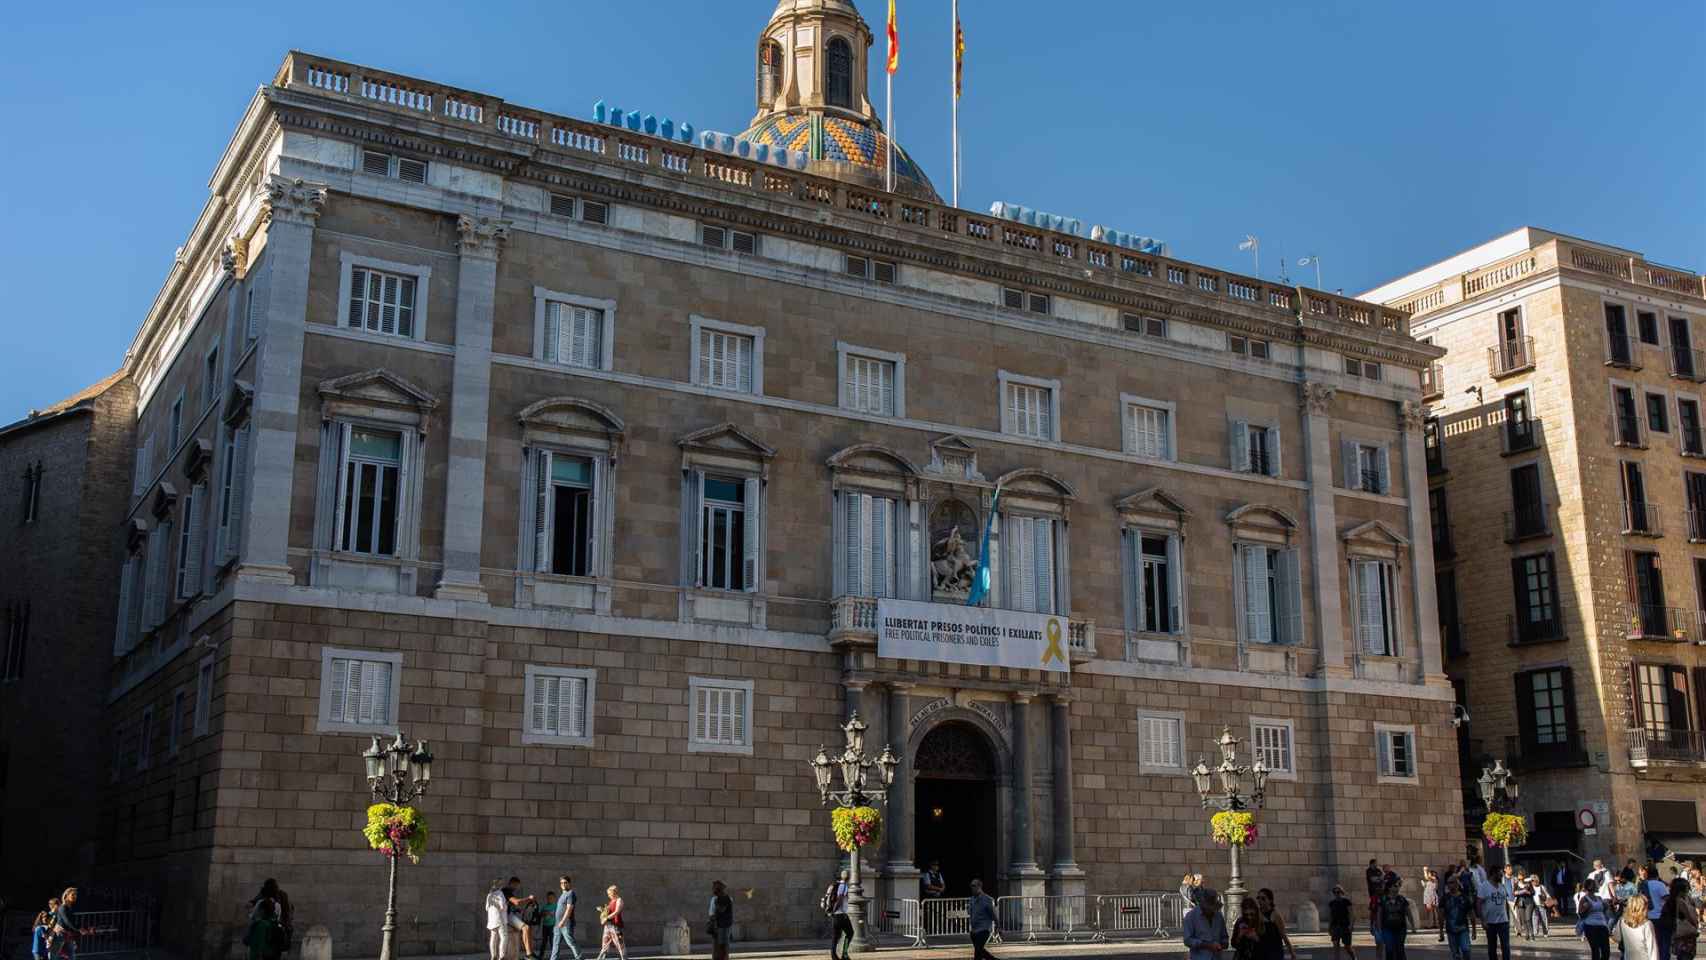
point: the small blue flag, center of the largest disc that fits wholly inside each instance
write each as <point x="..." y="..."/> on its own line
<point x="980" y="581"/>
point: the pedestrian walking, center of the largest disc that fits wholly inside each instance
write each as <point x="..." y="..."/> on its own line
<point x="1247" y="932"/>
<point x="270" y="890"/>
<point x="980" y="919"/>
<point x="1430" y="898"/>
<point x="1544" y="904"/>
<point x="1275" y="925"/>
<point x="497" y="921"/>
<point x="611" y="919"/>
<point x="1455" y="910"/>
<point x="1339" y="922"/>
<point x="1397" y="919"/>
<point x="66" y="930"/>
<point x="41" y="932"/>
<point x="1522" y="894"/>
<point x="1679" y="921"/>
<point x="1204" y="928"/>
<point x="720" y="920"/>
<point x="1594" y="918"/>
<point x="265" y="938"/>
<point x="563" y="927"/>
<point x="1634" y="933"/>
<point x="1657" y="893"/>
<point x="1493" y="899"/>
<point x="834" y="904"/>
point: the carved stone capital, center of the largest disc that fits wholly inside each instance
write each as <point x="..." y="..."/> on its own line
<point x="234" y="259"/>
<point x="292" y="201"/>
<point x="1318" y="398"/>
<point x="481" y="236"/>
<point x="1411" y="414"/>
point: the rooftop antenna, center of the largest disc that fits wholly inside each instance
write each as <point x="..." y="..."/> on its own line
<point x="1282" y="277"/>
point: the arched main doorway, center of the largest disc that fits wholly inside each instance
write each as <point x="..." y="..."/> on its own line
<point x="955" y="806"/>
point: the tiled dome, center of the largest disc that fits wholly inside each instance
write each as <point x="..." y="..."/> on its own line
<point x="844" y="140"/>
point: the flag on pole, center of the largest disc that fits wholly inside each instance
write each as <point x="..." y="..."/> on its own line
<point x="980" y="580"/>
<point x="894" y="40"/>
<point x="959" y="55"/>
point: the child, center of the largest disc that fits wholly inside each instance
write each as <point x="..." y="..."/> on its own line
<point x="1339" y="922"/>
<point x="41" y="940"/>
<point x="547" y="923"/>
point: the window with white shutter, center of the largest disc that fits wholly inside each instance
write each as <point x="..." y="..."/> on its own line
<point x="204" y="696"/>
<point x="1268" y="593"/>
<point x="1366" y="467"/>
<point x="370" y="481"/>
<point x="1271" y="742"/>
<point x="1395" y="752"/>
<point x="159" y="552"/>
<point x="359" y="690"/>
<point x="144" y="472"/>
<point x="1160" y="743"/>
<point x="234" y="470"/>
<point x="175" y="426"/>
<point x="126" y="633"/>
<point x="868" y="559"/>
<point x="193" y="533"/>
<point x="727" y="356"/>
<point x="559" y="706"/>
<point x="381" y="302"/>
<point x="1029" y="411"/>
<point x="574" y="335"/>
<point x="1375" y="601"/>
<point x="565" y="525"/>
<point x="1149" y="428"/>
<point x="212" y="377"/>
<point x="722" y="716"/>
<point x="259" y="286"/>
<point x="1030" y="563"/>
<point x="872" y="381"/>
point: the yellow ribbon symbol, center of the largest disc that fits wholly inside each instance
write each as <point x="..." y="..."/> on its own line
<point x="1054" y="651"/>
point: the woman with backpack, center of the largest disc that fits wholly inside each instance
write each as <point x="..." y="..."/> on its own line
<point x="1397" y="919"/>
<point x="1595" y="923"/>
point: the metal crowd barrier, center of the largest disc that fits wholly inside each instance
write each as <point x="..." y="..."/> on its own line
<point x="1034" y="917"/>
<point x="899" y="919"/>
<point x="114" y="931"/>
<point x="1142" y="914"/>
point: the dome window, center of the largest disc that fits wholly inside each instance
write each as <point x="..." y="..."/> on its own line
<point x="838" y="74"/>
<point x="769" y="72"/>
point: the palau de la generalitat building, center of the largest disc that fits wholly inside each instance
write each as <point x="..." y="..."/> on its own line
<point x="588" y="451"/>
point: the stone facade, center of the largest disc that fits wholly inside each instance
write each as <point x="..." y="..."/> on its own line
<point x="448" y="585"/>
<point x="1528" y="316"/>
<point x="64" y="479"/>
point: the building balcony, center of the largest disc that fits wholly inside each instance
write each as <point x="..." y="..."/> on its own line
<point x="1433" y="381"/>
<point x="1522" y="436"/>
<point x="1642" y="518"/>
<point x="1510" y="357"/>
<point x="1626" y="430"/>
<point x="1528" y="522"/>
<point x="1696" y="521"/>
<point x="1687" y="364"/>
<point x="1621" y="350"/>
<point x="853" y="622"/>
<point x="1520" y="633"/>
<point x="1649" y="748"/>
<point x="1567" y="749"/>
<point x="1659" y="623"/>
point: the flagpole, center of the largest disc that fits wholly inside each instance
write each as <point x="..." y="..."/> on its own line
<point x="889" y="166"/>
<point x="954" y="85"/>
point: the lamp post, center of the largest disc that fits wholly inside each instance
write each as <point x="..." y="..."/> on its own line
<point x="397" y="773"/>
<point x="856" y="791"/>
<point x="1230" y="797"/>
<point x="1499" y="789"/>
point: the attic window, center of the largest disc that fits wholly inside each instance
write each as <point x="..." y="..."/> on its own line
<point x="562" y="206"/>
<point x="406" y="169"/>
<point x="743" y="242"/>
<point x="713" y="237"/>
<point x="593" y="212"/>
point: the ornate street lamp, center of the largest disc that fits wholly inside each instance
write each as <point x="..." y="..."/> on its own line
<point x="1230" y="797"/>
<point x="1499" y="789"/>
<point x="397" y="773"/>
<point x="855" y="791"/>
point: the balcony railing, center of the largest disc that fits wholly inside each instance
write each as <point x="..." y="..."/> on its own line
<point x="1648" y="746"/>
<point x="1433" y="381"/>
<point x="1626" y="429"/>
<point x="1528" y="520"/>
<point x="1696" y="522"/>
<point x="1653" y="621"/>
<point x="1511" y="357"/>
<point x="1687" y="364"/>
<point x="1642" y="518"/>
<point x="1620" y="351"/>
<point x="854" y="619"/>
<point x="1519" y="633"/>
<point x="1567" y="748"/>
<point x="1521" y="436"/>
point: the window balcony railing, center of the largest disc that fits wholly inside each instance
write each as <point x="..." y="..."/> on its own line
<point x="1620" y="351"/>
<point x="1521" y="436"/>
<point x="1648" y="746"/>
<point x="1642" y="518"/>
<point x="1521" y="634"/>
<point x="1687" y="364"/>
<point x="853" y="621"/>
<point x="1526" y="521"/>
<point x="1562" y="748"/>
<point x="1657" y="622"/>
<point x="1696" y="520"/>
<point x="1691" y="442"/>
<point x="1510" y="357"/>
<point x="1433" y="381"/>
<point x="1626" y="430"/>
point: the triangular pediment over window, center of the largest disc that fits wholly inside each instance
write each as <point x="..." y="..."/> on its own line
<point x="727" y="438"/>
<point x="954" y="457"/>
<point x="377" y="389"/>
<point x="1262" y="523"/>
<point x="1153" y="507"/>
<point x="1374" y="539"/>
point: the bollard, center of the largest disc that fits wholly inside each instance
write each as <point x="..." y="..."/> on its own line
<point x="677" y="939"/>
<point x="317" y="943"/>
<point x="1308" y="917"/>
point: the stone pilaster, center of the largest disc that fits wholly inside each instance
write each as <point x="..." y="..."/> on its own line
<point x="1023" y="859"/>
<point x="1065" y="877"/>
<point x="902" y="873"/>
<point x="470" y="402"/>
<point x="291" y="208"/>
<point x="1323" y="529"/>
<point x="1420" y="532"/>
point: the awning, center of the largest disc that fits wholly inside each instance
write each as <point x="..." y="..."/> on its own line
<point x="1683" y="846"/>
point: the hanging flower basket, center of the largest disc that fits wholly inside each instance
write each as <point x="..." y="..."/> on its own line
<point x="1233" y="828"/>
<point x="1504" y="830"/>
<point x="857" y="827"/>
<point x="396" y="831"/>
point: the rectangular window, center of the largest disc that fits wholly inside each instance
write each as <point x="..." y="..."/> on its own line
<point x="1694" y="491"/>
<point x="1528" y="509"/>
<point x="1038" y="303"/>
<point x="1396" y="752"/>
<point x="1647" y="323"/>
<point x="1157" y="589"/>
<point x="1626" y="425"/>
<point x="870" y="385"/>
<point x="565" y="520"/>
<point x="574" y="335"/>
<point x="1682" y="362"/>
<point x="1620" y="349"/>
<point x="1638" y="515"/>
<point x="233" y="472"/>
<point x="1248" y="346"/>
<point x="868" y="527"/>
<point x="1269" y="594"/>
<point x="1149" y="431"/>
<point x="203" y="696"/>
<point x="1543" y="698"/>
<point x="1030" y="563"/>
<point x="1658" y="419"/>
<point x="559" y="707"/>
<point x="175" y="723"/>
<point x="1148" y="326"/>
<point x="1030" y="411"/>
<point x="722" y="531"/>
<point x="1376" y="601"/>
<point x="1161" y="745"/>
<point x="722" y="715"/>
<point x="175" y="426"/>
<point x="1535" y="580"/>
<point x="381" y="302"/>
<point x="1440" y="521"/>
<point x="562" y="206"/>
<point x="145" y="739"/>
<point x="1433" y="445"/>
<point x="358" y="689"/>
<point x="1662" y="699"/>
<point x="1519" y="422"/>
<point x="1647" y="590"/>
<point x="210" y="377"/>
<point x="1255" y="448"/>
<point x="1270" y="742"/>
<point x="1366" y="467"/>
<point x="370" y="506"/>
<point x="190" y="539"/>
<point x="1445" y="603"/>
<point x="1688" y="426"/>
<point x="725" y="361"/>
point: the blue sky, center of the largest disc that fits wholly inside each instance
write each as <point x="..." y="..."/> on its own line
<point x="1381" y="136"/>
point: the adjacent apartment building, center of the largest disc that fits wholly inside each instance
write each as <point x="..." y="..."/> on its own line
<point x="588" y="451"/>
<point x="1567" y="490"/>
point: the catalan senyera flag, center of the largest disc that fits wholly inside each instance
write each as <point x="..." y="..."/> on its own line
<point x="894" y="40"/>
<point x="959" y="54"/>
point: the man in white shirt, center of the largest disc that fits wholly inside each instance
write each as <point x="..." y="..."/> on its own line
<point x="1599" y="880"/>
<point x="842" y="935"/>
<point x="497" y="920"/>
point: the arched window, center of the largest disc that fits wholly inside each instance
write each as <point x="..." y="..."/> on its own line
<point x="838" y="74"/>
<point x="769" y="72"/>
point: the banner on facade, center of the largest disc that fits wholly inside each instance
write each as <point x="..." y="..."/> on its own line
<point x="947" y="633"/>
